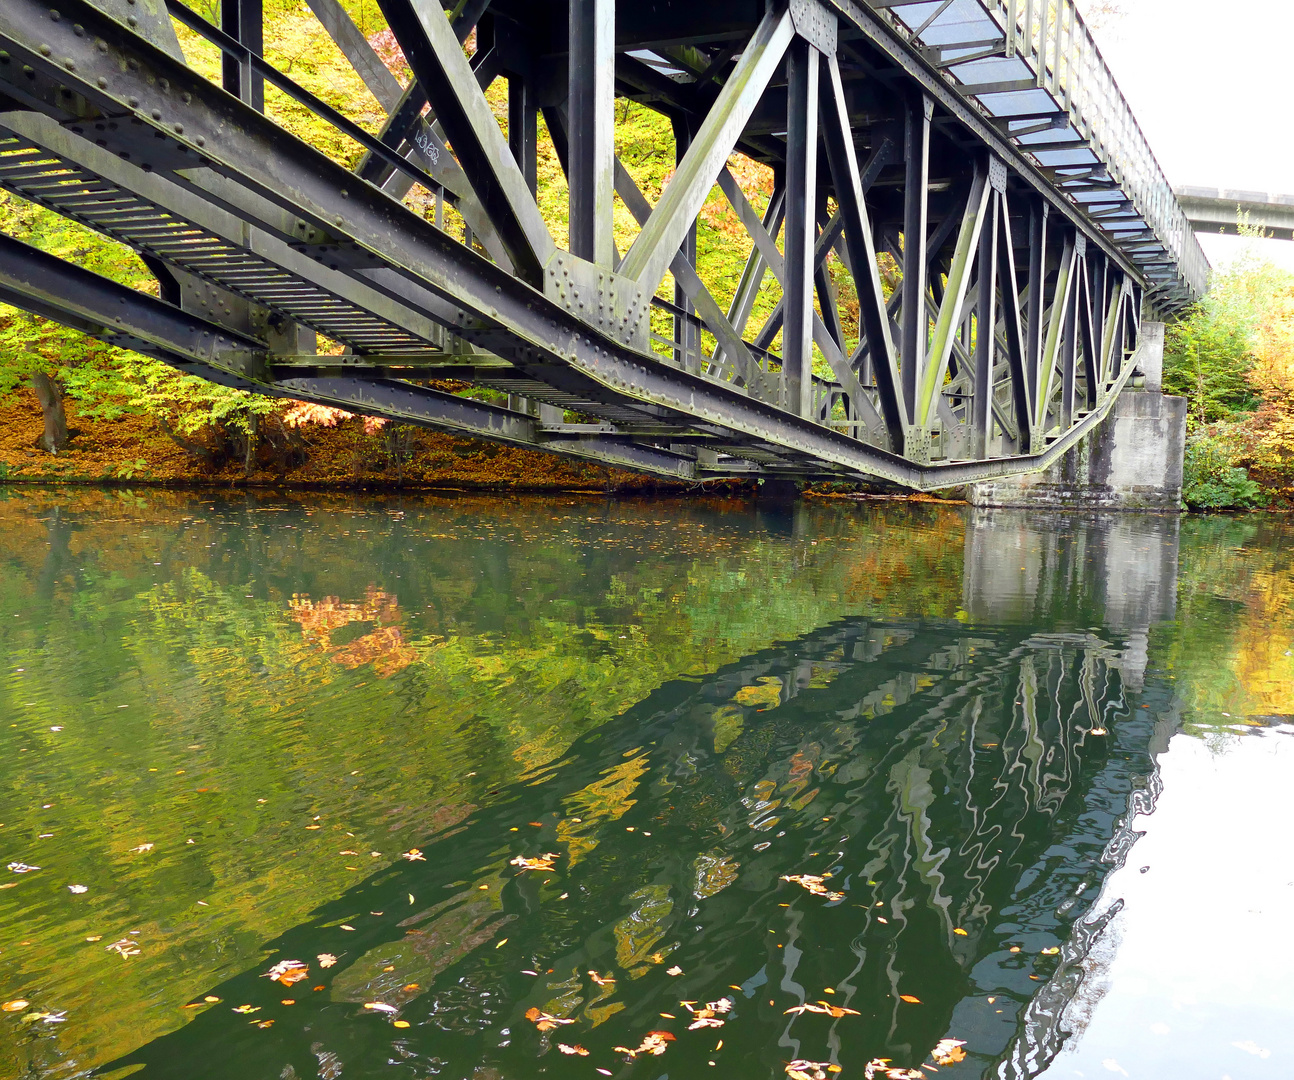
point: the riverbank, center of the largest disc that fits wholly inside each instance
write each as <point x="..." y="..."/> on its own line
<point x="137" y="449"/>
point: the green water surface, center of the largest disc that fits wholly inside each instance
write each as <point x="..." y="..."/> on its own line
<point x="261" y="729"/>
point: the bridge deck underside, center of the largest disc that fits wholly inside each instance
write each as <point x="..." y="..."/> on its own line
<point x="366" y="285"/>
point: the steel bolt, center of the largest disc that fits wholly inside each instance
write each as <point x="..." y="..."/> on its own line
<point x="44" y="50"/>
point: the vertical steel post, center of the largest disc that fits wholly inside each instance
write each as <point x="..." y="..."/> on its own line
<point x="1069" y="350"/>
<point x="687" y="337"/>
<point x="523" y="129"/>
<point x="801" y="198"/>
<point x="915" y="320"/>
<point x="241" y="20"/>
<point x="592" y="70"/>
<point x="1034" y="306"/>
<point x="985" y="335"/>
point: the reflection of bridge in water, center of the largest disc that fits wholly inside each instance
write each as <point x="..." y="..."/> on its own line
<point x="950" y="776"/>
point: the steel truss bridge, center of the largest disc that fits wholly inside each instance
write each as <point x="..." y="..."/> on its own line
<point x="982" y="144"/>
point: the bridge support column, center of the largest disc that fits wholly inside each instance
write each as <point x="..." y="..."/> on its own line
<point x="1133" y="461"/>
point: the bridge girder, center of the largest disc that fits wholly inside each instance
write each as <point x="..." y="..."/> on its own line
<point x="265" y="238"/>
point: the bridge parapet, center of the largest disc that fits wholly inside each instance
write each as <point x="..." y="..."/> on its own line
<point x="1034" y="67"/>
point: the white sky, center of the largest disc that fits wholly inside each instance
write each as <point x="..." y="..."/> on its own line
<point x="1208" y="81"/>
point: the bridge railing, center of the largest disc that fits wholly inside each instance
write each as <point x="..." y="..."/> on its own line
<point x="1052" y="40"/>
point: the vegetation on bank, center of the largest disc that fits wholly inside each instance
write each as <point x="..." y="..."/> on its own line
<point x="1232" y="357"/>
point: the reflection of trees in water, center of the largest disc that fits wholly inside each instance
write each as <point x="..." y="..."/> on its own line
<point x="945" y="777"/>
<point x="384" y="647"/>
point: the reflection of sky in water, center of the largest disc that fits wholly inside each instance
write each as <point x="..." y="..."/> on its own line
<point x="1192" y="977"/>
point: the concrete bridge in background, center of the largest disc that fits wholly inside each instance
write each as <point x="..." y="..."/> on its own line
<point x="980" y="148"/>
<point x="1219" y="210"/>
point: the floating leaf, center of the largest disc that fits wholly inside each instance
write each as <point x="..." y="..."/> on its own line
<point x="948" y="1051"/>
<point x="1053" y="951"/>
<point x="142" y="848"/>
<point x="675" y="970"/>
<point x="246" y="1009"/>
<point x="326" y="959"/>
<point x="959" y="931"/>
<point x="380" y="1006"/>
<point x="602" y="980"/>
<point x="413" y="855"/>
<point x="824" y="1007"/>
<point x="815" y="884"/>
<point x="540" y="862"/>
<point x="576" y="1049"/>
<point x="910" y="999"/>
<point x="288" y="972"/>
<point x="263" y="1023"/>
<point x="126" y="947"/>
<point x="545" y="1021"/>
<point x="800" y="1069"/>
<point x="78" y="888"/>
<point x="347" y="926"/>
<point x="654" y="1042"/>
<point x="22" y="868"/>
<point x="17" y="1005"/>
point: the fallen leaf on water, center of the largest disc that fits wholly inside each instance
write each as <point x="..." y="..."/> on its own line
<point x="959" y="931"/>
<point x="675" y="970"/>
<point x="288" y="972"/>
<point x="287" y="1001"/>
<point x="604" y="1072"/>
<point x="9" y="885"/>
<point x="246" y="1009"/>
<point x="348" y="852"/>
<point x="1098" y="731"/>
<point x="318" y="988"/>
<point x="653" y="1043"/>
<point x="22" y="868"/>
<point x="413" y="855"/>
<point x="347" y="926"/>
<point x="314" y="826"/>
<point x="1053" y="951"/>
<point x="326" y="959"/>
<point x="17" y="1005"/>
<point x="142" y="848"/>
<point x="576" y="1049"/>
<point x="910" y="999"/>
<point x="948" y="1051"/>
<point x="126" y="947"/>
<point x="541" y="862"/>
<point x="824" y="1007"/>
<point x="545" y="1021"/>
<point x="602" y="980"/>
<point x="707" y="1016"/>
<point x="263" y="1023"/>
<point x="1015" y="948"/>
<point x="814" y="883"/>
<point x="800" y="1069"/>
<point x="380" y="1006"/>
<point x="210" y="999"/>
<point x="668" y="1016"/>
<point x="95" y="937"/>
<point x="78" y="888"/>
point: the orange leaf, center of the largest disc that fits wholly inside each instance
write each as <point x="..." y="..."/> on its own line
<point x="910" y="999"/>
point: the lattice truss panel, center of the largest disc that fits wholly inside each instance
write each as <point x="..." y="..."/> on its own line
<point x="922" y="300"/>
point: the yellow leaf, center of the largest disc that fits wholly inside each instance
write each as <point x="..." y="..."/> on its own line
<point x="910" y="999"/>
<point x="960" y="932"/>
<point x="17" y="1005"/>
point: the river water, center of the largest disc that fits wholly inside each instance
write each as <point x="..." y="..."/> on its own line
<point x="1023" y="782"/>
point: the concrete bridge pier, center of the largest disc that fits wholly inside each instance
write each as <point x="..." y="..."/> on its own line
<point x="1133" y="461"/>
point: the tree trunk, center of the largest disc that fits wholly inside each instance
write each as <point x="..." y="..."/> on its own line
<point x="253" y="440"/>
<point x="50" y="395"/>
